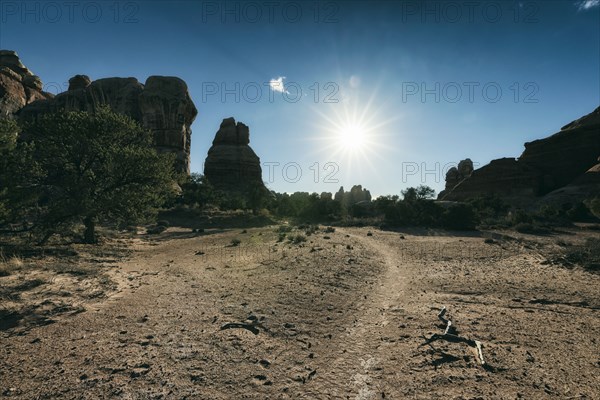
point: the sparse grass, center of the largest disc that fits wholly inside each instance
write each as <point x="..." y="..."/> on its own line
<point x="297" y="239"/>
<point x="587" y="255"/>
<point x="311" y="229"/>
<point x="10" y="265"/>
<point x="284" y="229"/>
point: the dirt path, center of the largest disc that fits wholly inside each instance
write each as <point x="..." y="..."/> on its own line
<point x="340" y="316"/>
<point x="365" y="357"/>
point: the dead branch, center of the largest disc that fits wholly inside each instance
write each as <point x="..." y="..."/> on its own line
<point x="450" y="337"/>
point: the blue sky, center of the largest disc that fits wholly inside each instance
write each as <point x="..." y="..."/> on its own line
<point x="385" y="94"/>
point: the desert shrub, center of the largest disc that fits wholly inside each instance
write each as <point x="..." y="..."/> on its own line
<point x="524" y="227"/>
<point x="306" y="206"/>
<point x="233" y="202"/>
<point x="284" y="229"/>
<point x="460" y="216"/>
<point x="579" y="212"/>
<point x="428" y="214"/>
<point x="400" y="214"/>
<point x="415" y="209"/>
<point x="329" y="229"/>
<point x="520" y="217"/>
<point x="489" y="208"/>
<point x="298" y="239"/>
<point x="587" y="255"/>
<point x="156" y="229"/>
<point x="164" y="223"/>
<point x="549" y="212"/>
<point x="383" y="204"/>
<point x="9" y="265"/>
<point x="311" y="229"/>
<point x="235" y="242"/>
<point x="594" y="206"/>
<point x="281" y="237"/>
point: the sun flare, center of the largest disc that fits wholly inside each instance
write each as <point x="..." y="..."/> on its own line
<point x="352" y="136"/>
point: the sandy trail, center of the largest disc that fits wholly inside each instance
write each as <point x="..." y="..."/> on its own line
<point x="340" y="316"/>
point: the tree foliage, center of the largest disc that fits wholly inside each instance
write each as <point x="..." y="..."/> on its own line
<point x="9" y="131"/>
<point x="87" y="167"/>
<point x="197" y="191"/>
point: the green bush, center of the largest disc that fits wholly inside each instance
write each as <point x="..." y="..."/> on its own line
<point x="520" y="217"/>
<point x="580" y="213"/>
<point x="460" y="216"/>
<point x="524" y="227"/>
<point x="298" y="239"/>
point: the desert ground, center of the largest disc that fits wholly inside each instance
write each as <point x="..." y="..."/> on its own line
<point x="342" y="315"/>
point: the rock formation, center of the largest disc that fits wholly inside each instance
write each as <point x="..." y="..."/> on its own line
<point x="586" y="186"/>
<point x="545" y="166"/>
<point x="162" y="104"/>
<point x="231" y="164"/>
<point x="356" y="195"/>
<point x="18" y="85"/>
<point x="455" y="175"/>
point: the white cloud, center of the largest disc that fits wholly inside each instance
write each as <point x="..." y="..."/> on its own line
<point x="277" y="85"/>
<point x="587" y="4"/>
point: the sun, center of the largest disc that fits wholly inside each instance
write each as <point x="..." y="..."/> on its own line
<point x="352" y="136"/>
<point x="355" y="131"/>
